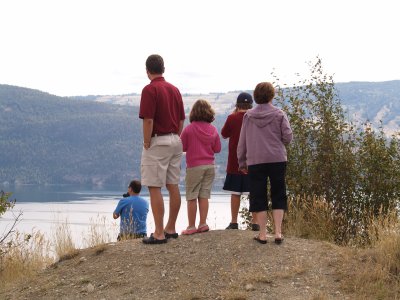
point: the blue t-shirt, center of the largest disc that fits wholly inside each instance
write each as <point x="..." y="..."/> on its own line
<point x="133" y="213"/>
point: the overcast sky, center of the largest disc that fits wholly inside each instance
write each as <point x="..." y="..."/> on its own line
<point x="83" y="47"/>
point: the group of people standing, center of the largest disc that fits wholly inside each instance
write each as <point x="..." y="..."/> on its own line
<point x="257" y="155"/>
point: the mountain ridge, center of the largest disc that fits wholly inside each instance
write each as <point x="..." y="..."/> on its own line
<point x="361" y="100"/>
<point x="47" y="139"/>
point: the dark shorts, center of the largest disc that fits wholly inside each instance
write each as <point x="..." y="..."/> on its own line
<point x="237" y="184"/>
<point x="259" y="176"/>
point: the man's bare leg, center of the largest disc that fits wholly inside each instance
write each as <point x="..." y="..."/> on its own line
<point x="157" y="206"/>
<point x="174" y="207"/>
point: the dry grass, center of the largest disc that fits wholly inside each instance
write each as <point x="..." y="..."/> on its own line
<point x="298" y="268"/>
<point x="365" y="279"/>
<point x="387" y="243"/>
<point x="371" y="272"/>
<point x="309" y="217"/>
<point x="100" y="249"/>
<point x="374" y="273"/>
<point x="64" y="246"/>
<point x="99" y="232"/>
<point x="245" y="281"/>
<point x="23" y="255"/>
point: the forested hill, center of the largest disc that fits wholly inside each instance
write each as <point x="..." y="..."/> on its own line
<point x="50" y="139"/>
<point x="373" y="101"/>
<point x="98" y="139"/>
<point x="47" y="139"/>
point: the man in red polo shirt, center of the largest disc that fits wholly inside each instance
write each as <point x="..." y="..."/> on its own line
<point x="163" y="114"/>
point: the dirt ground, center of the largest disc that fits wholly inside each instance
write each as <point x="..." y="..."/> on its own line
<point x="219" y="264"/>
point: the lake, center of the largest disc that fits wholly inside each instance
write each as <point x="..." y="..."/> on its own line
<point x="83" y="208"/>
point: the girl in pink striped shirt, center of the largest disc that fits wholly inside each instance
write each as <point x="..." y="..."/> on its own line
<point x="200" y="141"/>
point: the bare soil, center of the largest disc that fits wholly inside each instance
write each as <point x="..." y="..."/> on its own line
<point x="219" y="264"/>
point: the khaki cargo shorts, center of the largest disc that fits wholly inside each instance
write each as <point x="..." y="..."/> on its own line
<point x="161" y="163"/>
<point x="199" y="181"/>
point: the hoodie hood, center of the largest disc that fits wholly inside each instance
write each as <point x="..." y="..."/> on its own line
<point x="205" y="132"/>
<point x="263" y="114"/>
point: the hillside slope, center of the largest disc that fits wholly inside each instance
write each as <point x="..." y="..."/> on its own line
<point x="48" y="139"/>
<point x="214" y="265"/>
<point x="375" y="102"/>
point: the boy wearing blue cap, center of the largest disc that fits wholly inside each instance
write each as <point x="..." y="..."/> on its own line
<point x="236" y="182"/>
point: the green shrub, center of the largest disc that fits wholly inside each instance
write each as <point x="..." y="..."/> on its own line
<point x="354" y="169"/>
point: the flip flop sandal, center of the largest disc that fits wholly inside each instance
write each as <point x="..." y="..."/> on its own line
<point x="257" y="238"/>
<point x="189" y="231"/>
<point x="233" y="226"/>
<point x="171" y="235"/>
<point x="202" y="229"/>
<point x="151" y="240"/>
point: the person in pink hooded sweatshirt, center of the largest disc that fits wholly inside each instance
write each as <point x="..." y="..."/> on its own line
<point x="262" y="154"/>
<point x="200" y="141"/>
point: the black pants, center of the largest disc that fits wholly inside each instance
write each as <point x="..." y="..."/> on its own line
<point x="259" y="176"/>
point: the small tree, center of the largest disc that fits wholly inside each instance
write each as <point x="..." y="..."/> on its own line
<point x="5" y="205"/>
<point x="355" y="170"/>
<point x="379" y="173"/>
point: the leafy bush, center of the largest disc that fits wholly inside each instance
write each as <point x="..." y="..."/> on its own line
<point x="5" y="204"/>
<point x="353" y="171"/>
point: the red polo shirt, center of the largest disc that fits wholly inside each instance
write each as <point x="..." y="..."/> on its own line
<point x="162" y="102"/>
<point x="231" y="130"/>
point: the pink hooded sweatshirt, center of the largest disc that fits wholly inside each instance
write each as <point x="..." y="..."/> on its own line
<point x="200" y="141"/>
<point x="264" y="134"/>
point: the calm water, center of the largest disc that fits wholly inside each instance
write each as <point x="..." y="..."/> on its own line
<point x="44" y="208"/>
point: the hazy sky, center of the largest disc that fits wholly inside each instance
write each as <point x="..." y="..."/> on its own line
<point x="82" y="47"/>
